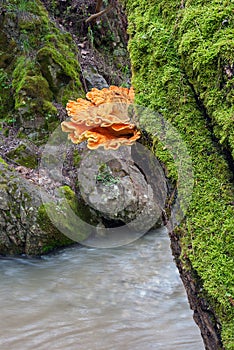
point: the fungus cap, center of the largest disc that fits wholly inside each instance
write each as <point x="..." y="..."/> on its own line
<point x="103" y="120"/>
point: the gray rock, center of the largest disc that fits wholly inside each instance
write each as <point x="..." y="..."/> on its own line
<point x="4" y="199"/>
<point x="94" y="79"/>
<point x="114" y="186"/>
<point x="23" y="230"/>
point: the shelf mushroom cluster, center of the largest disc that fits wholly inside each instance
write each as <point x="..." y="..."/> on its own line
<point x="102" y="119"/>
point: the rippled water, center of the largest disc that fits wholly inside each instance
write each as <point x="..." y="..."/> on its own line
<point x="127" y="298"/>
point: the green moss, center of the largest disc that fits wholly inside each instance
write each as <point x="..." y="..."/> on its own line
<point x="61" y="70"/>
<point x="32" y="96"/>
<point x="23" y="156"/>
<point x="66" y="192"/>
<point x="42" y="65"/>
<point x="63" y="220"/>
<point x="2" y="161"/>
<point x="29" y="22"/>
<point x="54" y="238"/>
<point x="29" y="85"/>
<point x="33" y="88"/>
<point x="206" y="48"/>
<point x="82" y="210"/>
<point x="76" y="158"/>
<point x="179" y="55"/>
<point x="6" y="101"/>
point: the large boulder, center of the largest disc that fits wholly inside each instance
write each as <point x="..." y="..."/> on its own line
<point x="116" y="187"/>
<point x="24" y="226"/>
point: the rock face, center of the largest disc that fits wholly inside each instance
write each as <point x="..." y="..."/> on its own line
<point x="24" y="226"/>
<point x="22" y="153"/>
<point x="113" y="189"/>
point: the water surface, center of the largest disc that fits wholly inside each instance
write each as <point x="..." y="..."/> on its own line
<point x="126" y="298"/>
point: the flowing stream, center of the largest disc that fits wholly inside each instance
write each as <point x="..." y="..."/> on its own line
<point x="126" y="298"/>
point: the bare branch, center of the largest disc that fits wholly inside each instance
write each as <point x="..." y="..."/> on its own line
<point x="99" y="14"/>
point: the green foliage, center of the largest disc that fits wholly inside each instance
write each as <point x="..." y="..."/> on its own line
<point x="2" y="161"/>
<point x="105" y="176"/>
<point x="4" y="80"/>
<point x="20" y="5"/>
<point x="90" y="35"/>
<point x="180" y="57"/>
<point x="76" y="157"/>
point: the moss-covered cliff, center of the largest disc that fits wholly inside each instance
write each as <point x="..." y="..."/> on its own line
<point x="182" y="58"/>
<point x="39" y="69"/>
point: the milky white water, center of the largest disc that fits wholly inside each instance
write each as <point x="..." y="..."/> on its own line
<point x="126" y="298"/>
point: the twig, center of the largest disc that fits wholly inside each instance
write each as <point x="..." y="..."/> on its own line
<point x="96" y="15"/>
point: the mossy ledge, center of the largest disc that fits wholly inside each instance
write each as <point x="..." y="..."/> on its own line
<point x="181" y="56"/>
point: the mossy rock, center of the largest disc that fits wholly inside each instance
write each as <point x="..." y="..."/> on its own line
<point x="35" y="87"/>
<point x="207" y="50"/>
<point x="61" y="71"/>
<point x="29" y="21"/>
<point x="41" y="78"/>
<point x="65" y="215"/>
<point x="24" y="226"/>
<point x="24" y="154"/>
<point x="84" y="213"/>
<point x="6" y="100"/>
<point x="55" y="239"/>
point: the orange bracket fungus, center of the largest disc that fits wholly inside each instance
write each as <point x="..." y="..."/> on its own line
<point x="102" y="119"/>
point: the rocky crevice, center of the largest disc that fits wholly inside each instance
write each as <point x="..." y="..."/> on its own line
<point x="221" y="149"/>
